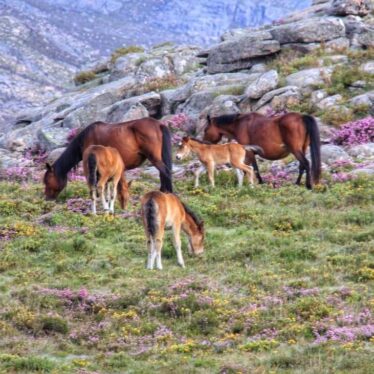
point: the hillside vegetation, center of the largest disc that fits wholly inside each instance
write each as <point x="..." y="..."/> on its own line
<point x="285" y="283"/>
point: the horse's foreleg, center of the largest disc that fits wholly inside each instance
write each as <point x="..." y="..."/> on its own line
<point x="177" y="244"/>
<point x="197" y="173"/>
<point x="101" y="187"/>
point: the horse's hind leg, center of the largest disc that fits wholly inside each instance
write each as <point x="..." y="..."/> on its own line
<point x="250" y="159"/>
<point x="165" y="175"/>
<point x="93" y="193"/>
<point x="239" y="176"/>
<point x="304" y="165"/>
<point x="301" y="172"/>
<point x="101" y="186"/>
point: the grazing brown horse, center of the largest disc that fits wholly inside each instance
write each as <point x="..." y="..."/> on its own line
<point x="277" y="136"/>
<point x="160" y="210"/>
<point x="102" y="167"/>
<point x="211" y="155"/>
<point x="136" y="141"/>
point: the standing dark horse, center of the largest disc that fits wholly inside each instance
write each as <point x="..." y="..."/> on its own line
<point x="277" y="136"/>
<point x="136" y="141"/>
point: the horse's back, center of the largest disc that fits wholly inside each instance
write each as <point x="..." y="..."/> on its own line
<point x="168" y="205"/>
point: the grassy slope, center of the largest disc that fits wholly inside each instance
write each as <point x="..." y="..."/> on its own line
<point x="133" y="320"/>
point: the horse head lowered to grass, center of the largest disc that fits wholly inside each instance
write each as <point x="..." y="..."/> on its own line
<point x="135" y="141"/>
<point x="277" y="136"/>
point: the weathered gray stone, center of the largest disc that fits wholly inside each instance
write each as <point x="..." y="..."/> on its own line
<point x="309" y="77"/>
<point x="366" y="99"/>
<point x="285" y="100"/>
<point x="263" y="84"/>
<point x="330" y="101"/>
<point x="270" y="95"/>
<point x="317" y="96"/>
<point x="367" y="67"/>
<point x="238" y="53"/>
<point x="362" y="151"/>
<point x="309" y="30"/>
<point x="122" y="112"/>
<point x="332" y="153"/>
<point x="346" y="7"/>
<point x="150" y="101"/>
<point x="170" y="99"/>
<point x="366" y="37"/>
<point x="55" y="154"/>
<point x="333" y="45"/>
<point x="363" y="171"/>
<point x="196" y="103"/>
<point x="51" y="138"/>
<point x="10" y="159"/>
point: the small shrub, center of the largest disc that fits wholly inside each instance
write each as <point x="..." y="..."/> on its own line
<point x="204" y="322"/>
<point x="161" y="84"/>
<point x="344" y="76"/>
<point x="123" y="51"/>
<point x="54" y="324"/>
<point x="84" y="77"/>
<point x="259" y="345"/>
<point x="27" y="364"/>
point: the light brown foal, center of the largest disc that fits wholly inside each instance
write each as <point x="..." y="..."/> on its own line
<point x="104" y="166"/>
<point x="211" y="155"/>
<point x="160" y="210"/>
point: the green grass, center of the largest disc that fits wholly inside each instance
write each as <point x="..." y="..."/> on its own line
<point x="238" y="308"/>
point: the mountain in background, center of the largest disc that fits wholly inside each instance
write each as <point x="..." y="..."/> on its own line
<point x="44" y="42"/>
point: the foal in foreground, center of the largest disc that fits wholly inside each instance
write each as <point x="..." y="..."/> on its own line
<point x="104" y="166"/>
<point x="160" y="210"/>
<point x="211" y="155"/>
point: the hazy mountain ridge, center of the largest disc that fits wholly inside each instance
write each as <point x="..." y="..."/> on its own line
<point x="44" y="42"/>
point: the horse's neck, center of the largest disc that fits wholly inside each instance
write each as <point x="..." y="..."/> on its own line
<point x="189" y="225"/>
<point x="196" y="147"/>
<point x="69" y="159"/>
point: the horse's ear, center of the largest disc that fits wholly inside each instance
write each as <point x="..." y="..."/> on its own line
<point x="201" y="225"/>
<point x="48" y="166"/>
<point x="129" y="183"/>
<point x="186" y="138"/>
<point x="208" y="118"/>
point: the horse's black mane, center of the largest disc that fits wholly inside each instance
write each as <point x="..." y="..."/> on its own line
<point x="72" y="154"/>
<point x="226" y="119"/>
<point x="195" y="218"/>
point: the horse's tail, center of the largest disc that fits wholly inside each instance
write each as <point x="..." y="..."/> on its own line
<point x="92" y="169"/>
<point x="150" y="217"/>
<point x="257" y="150"/>
<point x="315" y="146"/>
<point x="166" y="180"/>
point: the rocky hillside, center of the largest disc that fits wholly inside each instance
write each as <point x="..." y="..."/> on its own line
<point x="318" y="61"/>
<point x="44" y="42"/>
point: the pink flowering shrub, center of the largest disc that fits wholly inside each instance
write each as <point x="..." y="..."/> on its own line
<point x="177" y="124"/>
<point x="345" y="328"/>
<point x="355" y="132"/>
<point x="72" y="134"/>
<point x="277" y="176"/>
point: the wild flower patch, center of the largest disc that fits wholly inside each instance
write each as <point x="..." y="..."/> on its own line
<point x="355" y="132"/>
